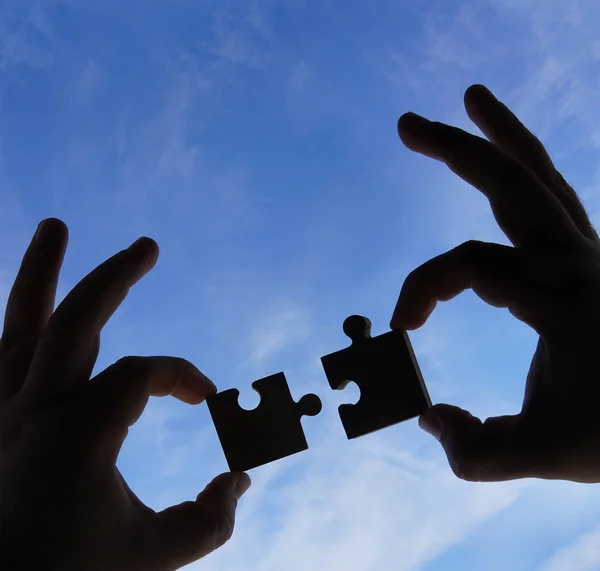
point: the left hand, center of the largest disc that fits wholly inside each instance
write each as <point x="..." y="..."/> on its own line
<point x="63" y="503"/>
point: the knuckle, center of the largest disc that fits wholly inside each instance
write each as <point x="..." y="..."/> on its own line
<point x="519" y="175"/>
<point x="223" y="529"/>
<point x="470" y="247"/>
<point x="219" y="522"/>
<point x="464" y="468"/>
<point x="128" y="365"/>
<point x="414" y="277"/>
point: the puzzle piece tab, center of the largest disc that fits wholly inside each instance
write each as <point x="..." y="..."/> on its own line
<point x="385" y="369"/>
<point x="251" y="438"/>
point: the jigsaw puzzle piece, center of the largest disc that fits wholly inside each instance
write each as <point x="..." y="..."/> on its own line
<point x="271" y="431"/>
<point x="386" y="371"/>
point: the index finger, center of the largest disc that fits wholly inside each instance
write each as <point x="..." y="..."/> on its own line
<point x="528" y="213"/>
<point x="30" y="303"/>
<point x="503" y="128"/>
<point x="69" y="346"/>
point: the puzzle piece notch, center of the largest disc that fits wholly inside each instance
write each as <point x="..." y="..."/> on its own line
<point x="271" y="431"/>
<point x="387" y="373"/>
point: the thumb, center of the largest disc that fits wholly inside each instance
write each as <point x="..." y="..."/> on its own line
<point x="500" y="275"/>
<point x="489" y="451"/>
<point x="191" y="530"/>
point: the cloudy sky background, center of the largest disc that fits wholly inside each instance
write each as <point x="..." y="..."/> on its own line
<point x="256" y="143"/>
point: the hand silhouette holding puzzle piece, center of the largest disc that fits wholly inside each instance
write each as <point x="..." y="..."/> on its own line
<point x="384" y="368"/>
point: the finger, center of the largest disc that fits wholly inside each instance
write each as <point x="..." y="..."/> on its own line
<point x="116" y="398"/>
<point x="503" y="128"/>
<point x="68" y="349"/>
<point x="479" y="452"/>
<point x="497" y="274"/>
<point x="30" y="303"/>
<point x="31" y="300"/>
<point x="528" y="213"/>
<point x="191" y="530"/>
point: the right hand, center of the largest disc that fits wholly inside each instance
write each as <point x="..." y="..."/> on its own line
<point x="550" y="280"/>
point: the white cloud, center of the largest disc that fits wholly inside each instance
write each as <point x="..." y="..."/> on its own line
<point x="283" y="323"/>
<point x="381" y="502"/>
<point x="551" y="86"/>
<point x="159" y="152"/>
<point x="444" y="46"/>
<point x="241" y="41"/>
<point x="582" y="555"/>
<point x="358" y="507"/>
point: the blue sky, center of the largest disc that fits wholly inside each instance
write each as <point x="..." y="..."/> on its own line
<point x="256" y="142"/>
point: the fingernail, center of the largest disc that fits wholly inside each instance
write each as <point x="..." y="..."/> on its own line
<point x="431" y="423"/>
<point x="242" y="484"/>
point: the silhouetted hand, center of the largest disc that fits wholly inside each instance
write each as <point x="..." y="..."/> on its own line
<point x="549" y="280"/>
<point x="63" y="503"/>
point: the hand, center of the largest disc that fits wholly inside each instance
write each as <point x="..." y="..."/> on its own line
<point x="549" y="280"/>
<point x="63" y="503"/>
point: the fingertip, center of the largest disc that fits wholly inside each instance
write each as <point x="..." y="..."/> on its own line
<point x="477" y="90"/>
<point x="404" y="129"/>
<point x="399" y="125"/>
<point x="201" y="378"/>
<point x="411" y="125"/>
<point x="431" y="423"/>
<point x="144" y="255"/>
<point x="451" y="411"/>
<point x="144" y="246"/>
<point x="51" y="228"/>
<point x="228" y="483"/>
<point x="402" y="319"/>
<point x="55" y="224"/>
<point x="209" y="386"/>
<point x="411" y="311"/>
<point x="195" y="386"/>
<point x="243" y="483"/>
<point x="192" y="395"/>
<point x="479" y="101"/>
<point x="445" y="422"/>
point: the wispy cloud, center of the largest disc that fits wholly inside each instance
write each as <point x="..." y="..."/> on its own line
<point x="282" y="324"/>
<point x="257" y="145"/>
<point x="359" y="509"/>
<point x="241" y="41"/>
<point x="582" y="555"/>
